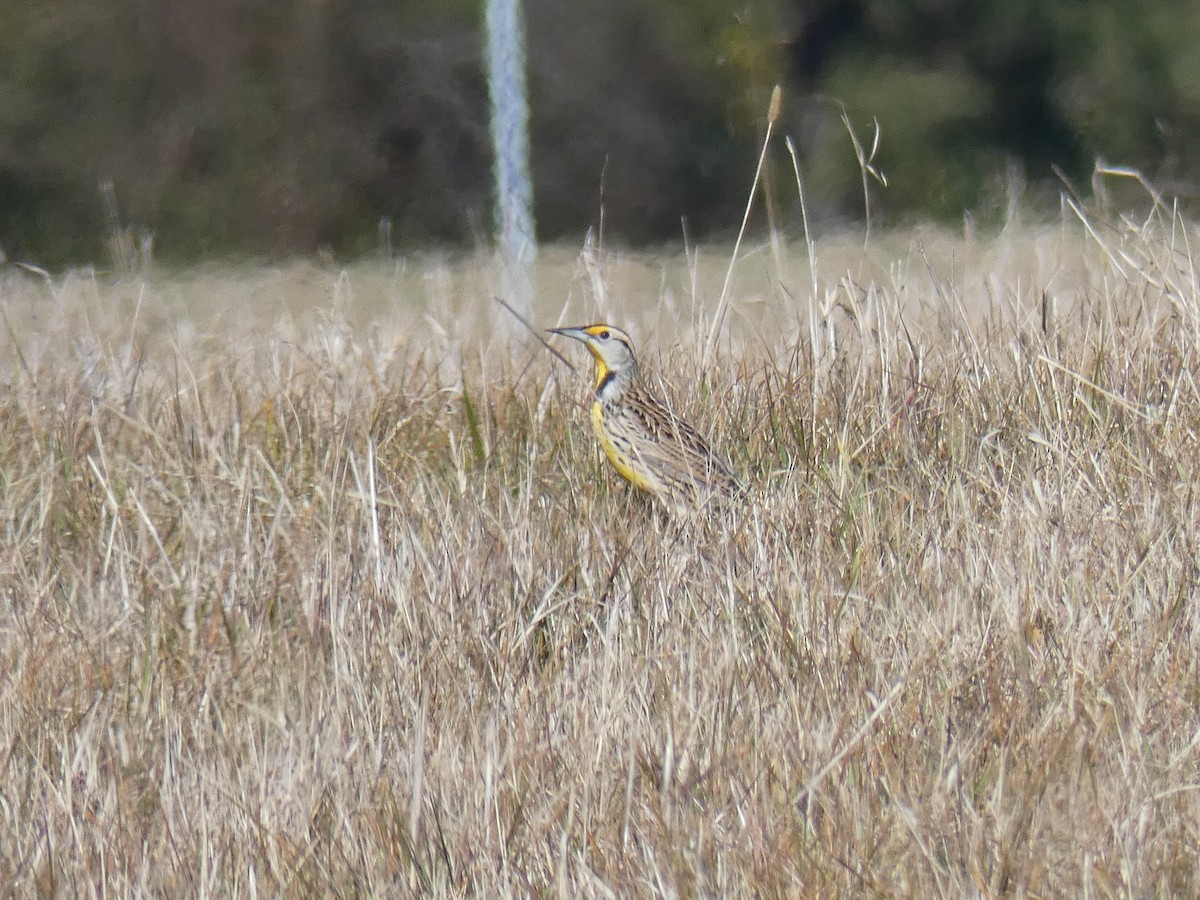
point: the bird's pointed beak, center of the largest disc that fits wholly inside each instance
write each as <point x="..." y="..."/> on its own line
<point x="577" y="333"/>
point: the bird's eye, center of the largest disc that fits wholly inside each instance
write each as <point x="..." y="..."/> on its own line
<point x="605" y="335"/>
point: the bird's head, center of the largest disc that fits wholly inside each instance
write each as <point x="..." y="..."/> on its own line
<point x="610" y="347"/>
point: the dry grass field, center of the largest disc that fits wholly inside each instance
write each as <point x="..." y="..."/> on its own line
<point x="313" y="581"/>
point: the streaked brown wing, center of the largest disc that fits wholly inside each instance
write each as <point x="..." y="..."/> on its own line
<point x="676" y="451"/>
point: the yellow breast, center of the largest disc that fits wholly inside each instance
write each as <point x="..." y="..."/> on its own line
<point x="620" y="456"/>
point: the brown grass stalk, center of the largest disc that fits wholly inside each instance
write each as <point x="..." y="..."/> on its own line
<point x="325" y="593"/>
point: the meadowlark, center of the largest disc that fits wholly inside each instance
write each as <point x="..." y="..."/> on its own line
<point x="648" y="444"/>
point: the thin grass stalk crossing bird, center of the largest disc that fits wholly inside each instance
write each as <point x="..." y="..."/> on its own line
<point x="648" y="444"/>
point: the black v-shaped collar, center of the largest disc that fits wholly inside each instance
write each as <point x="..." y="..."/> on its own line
<point x="604" y="382"/>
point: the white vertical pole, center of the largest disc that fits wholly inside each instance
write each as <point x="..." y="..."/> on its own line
<point x="510" y="142"/>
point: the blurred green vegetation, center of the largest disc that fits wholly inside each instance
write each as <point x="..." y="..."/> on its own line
<point x="278" y="127"/>
<point x="966" y="94"/>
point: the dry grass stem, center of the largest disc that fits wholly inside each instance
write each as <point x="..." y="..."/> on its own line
<point x="308" y="587"/>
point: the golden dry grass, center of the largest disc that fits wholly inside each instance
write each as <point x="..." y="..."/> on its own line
<point x="309" y="584"/>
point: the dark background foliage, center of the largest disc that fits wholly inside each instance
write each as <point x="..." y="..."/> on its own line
<point x="277" y="127"/>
